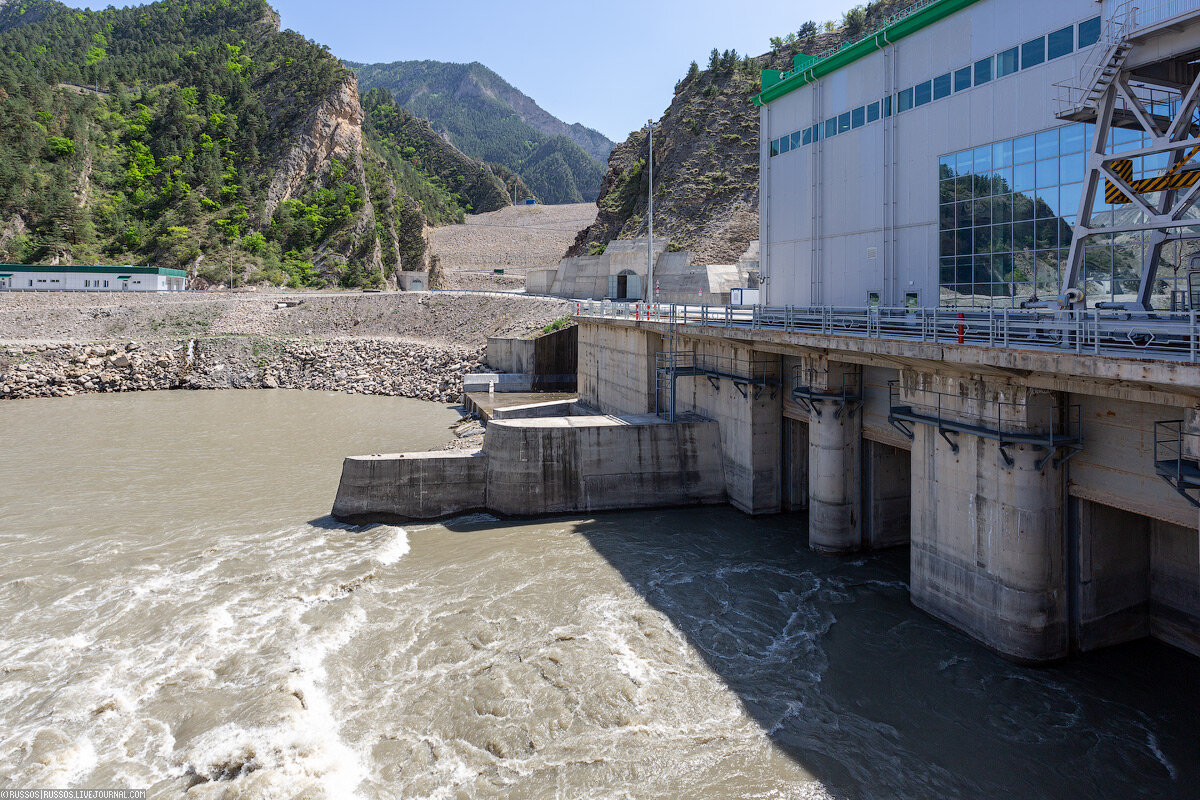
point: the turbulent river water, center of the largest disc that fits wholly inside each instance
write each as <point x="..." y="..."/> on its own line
<point x="181" y="615"/>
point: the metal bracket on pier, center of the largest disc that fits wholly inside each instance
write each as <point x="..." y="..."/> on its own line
<point x="846" y="400"/>
<point x="746" y="376"/>
<point x="1058" y="447"/>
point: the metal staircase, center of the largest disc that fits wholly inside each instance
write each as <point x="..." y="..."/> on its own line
<point x="1079" y="99"/>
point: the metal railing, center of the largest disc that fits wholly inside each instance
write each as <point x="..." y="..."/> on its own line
<point x="1167" y="11"/>
<point x="1076" y="93"/>
<point x="1051" y="428"/>
<point x="1113" y="333"/>
<point x="1174" y="458"/>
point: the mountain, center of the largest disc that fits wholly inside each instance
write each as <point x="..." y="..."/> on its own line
<point x="488" y="118"/>
<point x="411" y="140"/>
<point x="706" y="151"/>
<point x="185" y="133"/>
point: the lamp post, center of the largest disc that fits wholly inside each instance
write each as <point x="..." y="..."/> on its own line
<point x="650" y="224"/>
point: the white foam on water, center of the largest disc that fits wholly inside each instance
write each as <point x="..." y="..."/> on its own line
<point x="394" y="548"/>
<point x="1152" y="743"/>
<point x="305" y="749"/>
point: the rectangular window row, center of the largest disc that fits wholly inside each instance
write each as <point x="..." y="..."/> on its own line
<point x="1030" y="54"/>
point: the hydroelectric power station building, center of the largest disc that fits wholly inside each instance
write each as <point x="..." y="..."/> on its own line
<point x="979" y="333"/>
<point x="944" y="160"/>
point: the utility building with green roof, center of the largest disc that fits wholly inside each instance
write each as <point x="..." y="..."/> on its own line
<point x="89" y="278"/>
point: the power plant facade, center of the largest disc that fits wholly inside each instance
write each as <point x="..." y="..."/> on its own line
<point x="945" y="160"/>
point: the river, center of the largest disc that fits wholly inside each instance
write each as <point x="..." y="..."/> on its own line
<point x="181" y="615"/>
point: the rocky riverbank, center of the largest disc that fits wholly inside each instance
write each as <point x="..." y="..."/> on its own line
<point x="357" y="366"/>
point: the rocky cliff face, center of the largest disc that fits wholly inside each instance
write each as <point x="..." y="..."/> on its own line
<point x="705" y="157"/>
<point x="331" y="132"/>
<point x="705" y="173"/>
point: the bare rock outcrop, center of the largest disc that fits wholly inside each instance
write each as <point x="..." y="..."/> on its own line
<point x="332" y="132"/>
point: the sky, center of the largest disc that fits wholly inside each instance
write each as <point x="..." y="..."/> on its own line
<point x="609" y="65"/>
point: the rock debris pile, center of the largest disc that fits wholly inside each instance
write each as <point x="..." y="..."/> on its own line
<point x="355" y="366"/>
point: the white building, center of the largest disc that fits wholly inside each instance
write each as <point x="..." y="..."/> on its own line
<point x="87" y="278"/>
<point x="952" y="158"/>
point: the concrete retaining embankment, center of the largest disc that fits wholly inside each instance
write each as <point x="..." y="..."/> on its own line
<point x="554" y="465"/>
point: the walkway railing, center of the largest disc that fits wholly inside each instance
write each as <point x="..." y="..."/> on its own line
<point x="1129" y="334"/>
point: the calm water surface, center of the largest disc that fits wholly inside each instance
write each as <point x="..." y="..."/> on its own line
<point x="181" y="615"/>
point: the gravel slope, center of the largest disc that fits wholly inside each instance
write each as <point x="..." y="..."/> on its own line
<point x="514" y="239"/>
<point x="443" y="319"/>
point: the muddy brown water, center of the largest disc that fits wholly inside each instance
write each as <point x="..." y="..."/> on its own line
<point x="181" y="615"/>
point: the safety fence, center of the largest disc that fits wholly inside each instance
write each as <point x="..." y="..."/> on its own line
<point x="1115" y="333"/>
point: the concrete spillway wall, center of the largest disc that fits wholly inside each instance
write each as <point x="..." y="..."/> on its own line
<point x="542" y="465"/>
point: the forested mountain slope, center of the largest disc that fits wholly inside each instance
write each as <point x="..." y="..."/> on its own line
<point x="706" y="151"/>
<point x="184" y="133"/>
<point x="411" y="140"/>
<point x="488" y="118"/>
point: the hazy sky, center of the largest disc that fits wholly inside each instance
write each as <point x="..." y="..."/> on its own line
<point x="610" y="65"/>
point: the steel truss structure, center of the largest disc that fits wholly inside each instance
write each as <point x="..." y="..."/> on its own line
<point x="1113" y="95"/>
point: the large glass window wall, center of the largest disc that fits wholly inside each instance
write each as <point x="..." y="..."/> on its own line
<point x="1006" y="217"/>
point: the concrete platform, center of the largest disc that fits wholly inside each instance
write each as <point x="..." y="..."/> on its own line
<point x="484" y="404"/>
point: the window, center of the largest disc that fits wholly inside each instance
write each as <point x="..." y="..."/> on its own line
<point x="983" y="71"/>
<point x="106" y="284"/>
<point x="796" y="140"/>
<point x="807" y="138"/>
<point x="1060" y="43"/>
<point x="904" y="101"/>
<point x="999" y="249"/>
<point x="843" y="123"/>
<point x="1033" y="52"/>
<point x="941" y="86"/>
<point x="785" y="144"/>
<point x="872" y="299"/>
<point x="962" y="79"/>
<point x="912" y="301"/>
<point x="887" y="106"/>
<point x="1006" y="62"/>
<point x="830" y="127"/>
<point x="774" y="147"/>
<point x="858" y="117"/>
<point x="873" y="111"/>
<point x="1089" y="32"/>
<point x="923" y="93"/>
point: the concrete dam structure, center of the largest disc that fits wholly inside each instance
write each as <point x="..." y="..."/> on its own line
<point x="980" y="337"/>
<point x="1029" y="484"/>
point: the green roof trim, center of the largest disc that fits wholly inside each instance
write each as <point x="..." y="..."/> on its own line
<point x="807" y="69"/>
<point x="77" y="269"/>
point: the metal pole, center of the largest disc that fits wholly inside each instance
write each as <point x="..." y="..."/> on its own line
<point x="650" y="224"/>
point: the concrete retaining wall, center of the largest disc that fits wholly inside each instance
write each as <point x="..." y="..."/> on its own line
<point x="616" y="368"/>
<point x="551" y="360"/>
<point x="380" y="488"/>
<point x="530" y="467"/>
<point x="570" y="464"/>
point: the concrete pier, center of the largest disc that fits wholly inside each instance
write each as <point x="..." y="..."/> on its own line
<point x="835" y="519"/>
<point x="987" y="536"/>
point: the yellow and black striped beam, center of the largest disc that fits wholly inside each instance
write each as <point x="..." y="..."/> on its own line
<point x="1174" y="178"/>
